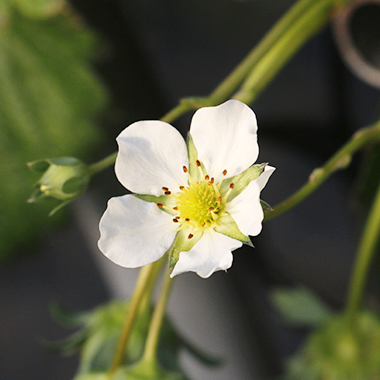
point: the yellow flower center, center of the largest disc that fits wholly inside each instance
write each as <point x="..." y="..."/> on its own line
<point x="199" y="205"/>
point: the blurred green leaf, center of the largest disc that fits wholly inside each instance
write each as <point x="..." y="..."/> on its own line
<point x="147" y="371"/>
<point x="49" y="99"/>
<point x="98" y="333"/>
<point x="341" y="349"/>
<point x="300" y="306"/>
<point x="37" y="8"/>
<point x="93" y="376"/>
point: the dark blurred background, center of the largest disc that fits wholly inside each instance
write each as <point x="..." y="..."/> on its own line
<point x="148" y="55"/>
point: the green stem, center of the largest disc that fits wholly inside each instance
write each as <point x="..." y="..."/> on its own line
<point x="152" y="340"/>
<point x="143" y="286"/>
<point x="314" y="16"/>
<point x="176" y="112"/>
<point x="338" y="161"/>
<point x="294" y="28"/>
<point x="366" y="251"/>
<point x="103" y="164"/>
<point x="258" y="52"/>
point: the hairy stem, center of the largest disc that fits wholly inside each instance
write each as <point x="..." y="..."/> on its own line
<point x="315" y="15"/>
<point x="300" y="23"/>
<point x="103" y="164"/>
<point x="229" y="84"/>
<point x="152" y="340"/>
<point x="366" y="251"/>
<point x="338" y="161"/>
<point x="143" y="286"/>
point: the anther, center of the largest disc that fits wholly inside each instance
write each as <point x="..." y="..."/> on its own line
<point x="198" y="163"/>
<point x="187" y="220"/>
<point x="211" y="181"/>
<point x="219" y="198"/>
<point x="175" y="208"/>
<point x="207" y="177"/>
<point x="211" y="208"/>
<point x="190" y="236"/>
<point x="175" y="220"/>
<point x="182" y="187"/>
<point x="165" y="188"/>
<point x="160" y="205"/>
<point x="185" y="169"/>
<point x="224" y="172"/>
<point x="232" y="185"/>
<point x="168" y="192"/>
<point x="203" y="224"/>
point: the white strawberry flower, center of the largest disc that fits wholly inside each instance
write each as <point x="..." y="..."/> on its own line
<point x="197" y="201"/>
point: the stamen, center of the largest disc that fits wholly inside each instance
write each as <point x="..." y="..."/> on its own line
<point x="168" y="192"/>
<point x="175" y="208"/>
<point x="187" y="220"/>
<point x="224" y="172"/>
<point x="207" y="177"/>
<point x="175" y="220"/>
<point x="198" y="163"/>
<point x="160" y="205"/>
<point x="225" y="197"/>
<point x="182" y="187"/>
<point x="185" y="169"/>
<point x="165" y="188"/>
<point x="190" y="236"/>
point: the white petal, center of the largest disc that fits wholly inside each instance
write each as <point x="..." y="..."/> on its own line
<point x="151" y="156"/>
<point x="246" y="210"/>
<point x="225" y="138"/>
<point x="263" y="179"/>
<point x="210" y="254"/>
<point x="134" y="233"/>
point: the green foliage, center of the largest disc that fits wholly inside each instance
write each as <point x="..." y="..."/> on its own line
<point x="36" y="8"/>
<point x="300" y="306"/>
<point x="97" y="337"/>
<point x="49" y="98"/>
<point x="341" y="349"/>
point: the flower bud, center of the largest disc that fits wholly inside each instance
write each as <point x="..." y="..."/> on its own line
<point x="63" y="178"/>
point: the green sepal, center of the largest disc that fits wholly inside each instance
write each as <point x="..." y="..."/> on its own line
<point x="39" y="166"/>
<point x="169" y="202"/>
<point x="193" y="157"/>
<point x="75" y="185"/>
<point x="242" y="180"/>
<point x="227" y="226"/>
<point x="36" y="196"/>
<point x="61" y="205"/>
<point x="181" y="243"/>
<point x="67" y="346"/>
<point x="65" y="161"/>
<point x="152" y="198"/>
<point x="68" y="319"/>
<point x="265" y="206"/>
